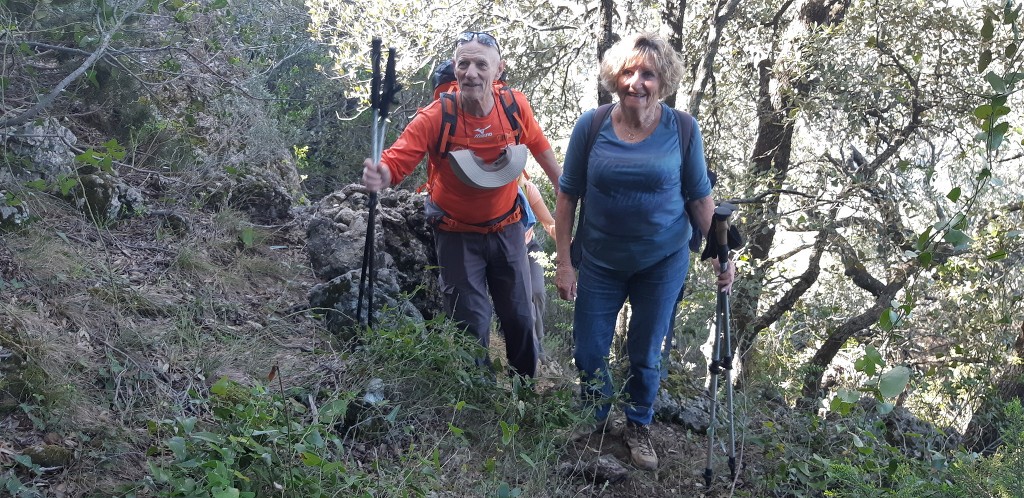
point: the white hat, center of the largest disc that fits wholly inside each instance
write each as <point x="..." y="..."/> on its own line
<point x="474" y="172"/>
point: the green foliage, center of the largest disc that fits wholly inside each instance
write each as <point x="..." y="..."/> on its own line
<point x="857" y="456"/>
<point x="882" y="385"/>
<point x="104" y="159"/>
<point x="258" y="441"/>
<point x="257" y="444"/>
<point x="1001" y="474"/>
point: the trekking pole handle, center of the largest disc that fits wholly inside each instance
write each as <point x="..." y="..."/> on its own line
<point x="375" y="74"/>
<point x="721" y="222"/>
<point x="387" y="96"/>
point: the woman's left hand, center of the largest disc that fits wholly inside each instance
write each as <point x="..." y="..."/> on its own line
<point x="725" y="278"/>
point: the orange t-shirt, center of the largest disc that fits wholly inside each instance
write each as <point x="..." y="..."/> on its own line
<point x="486" y="137"/>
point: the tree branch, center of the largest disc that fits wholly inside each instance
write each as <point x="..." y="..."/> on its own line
<point x="806" y="280"/>
<point x="77" y="73"/>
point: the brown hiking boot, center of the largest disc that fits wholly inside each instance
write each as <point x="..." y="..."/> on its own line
<point x="611" y="426"/>
<point x="638" y="438"/>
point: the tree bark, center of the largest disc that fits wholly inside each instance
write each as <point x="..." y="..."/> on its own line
<point x="673" y="17"/>
<point x="818" y="364"/>
<point x="604" y="42"/>
<point x="724" y="12"/>
<point x="780" y="87"/>
<point x="983" y="432"/>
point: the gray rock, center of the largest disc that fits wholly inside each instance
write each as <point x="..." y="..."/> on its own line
<point x="693" y="413"/>
<point x="13" y="213"/>
<point x="404" y="259"/>
<point x="46" y="147"/>
<point x="105" y="196"/>
<point x="599" y="470"/>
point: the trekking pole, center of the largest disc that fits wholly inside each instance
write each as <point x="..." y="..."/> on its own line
<point x="382" y="94"/>
<point x="719" y="363"/>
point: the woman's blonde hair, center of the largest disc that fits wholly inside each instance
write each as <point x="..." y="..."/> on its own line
<point x="642" y="47"/>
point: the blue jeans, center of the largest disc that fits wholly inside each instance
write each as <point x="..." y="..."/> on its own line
<point x="601" y="293"/>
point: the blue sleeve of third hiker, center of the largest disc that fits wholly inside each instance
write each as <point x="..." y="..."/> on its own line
<point x="574" y="170"/>
<point x="695" y="170"/>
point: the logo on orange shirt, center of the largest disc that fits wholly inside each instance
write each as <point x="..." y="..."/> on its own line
<point x="482" y="132"/>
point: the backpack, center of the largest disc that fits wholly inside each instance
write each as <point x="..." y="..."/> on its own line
<point x="685" y="131"/>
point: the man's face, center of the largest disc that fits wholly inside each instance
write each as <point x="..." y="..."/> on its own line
<point x="477" y="66"/>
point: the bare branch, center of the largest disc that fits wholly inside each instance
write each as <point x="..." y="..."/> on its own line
<point x="806" y="280"/>
<point x="77" y="73"/>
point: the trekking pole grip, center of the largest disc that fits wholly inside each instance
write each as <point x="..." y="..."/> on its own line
<point x="390" y="87"/>
<point x="375" y="74"/>
<point x="721" y="222"/>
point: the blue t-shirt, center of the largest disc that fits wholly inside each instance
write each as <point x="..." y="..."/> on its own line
<point x="635" y="212"/>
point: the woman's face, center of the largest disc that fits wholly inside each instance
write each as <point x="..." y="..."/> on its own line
<point x="639" y="85"/>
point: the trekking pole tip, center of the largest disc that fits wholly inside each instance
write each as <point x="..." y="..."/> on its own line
<point x="707" y="477"/>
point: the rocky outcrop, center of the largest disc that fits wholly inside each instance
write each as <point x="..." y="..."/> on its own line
<point x="404" y="260"/>
<point x="13" y="212"/>
<point x="104" y="196"/>
<point x="45" y="150"/>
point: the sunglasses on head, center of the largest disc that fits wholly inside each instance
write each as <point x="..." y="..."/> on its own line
<point x="480" y="36"/>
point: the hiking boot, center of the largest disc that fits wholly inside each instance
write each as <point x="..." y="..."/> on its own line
<point x="610" y="426"/>
<point x="638" y="438"/>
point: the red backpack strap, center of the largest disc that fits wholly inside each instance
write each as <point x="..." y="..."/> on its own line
<point x="511" y="108"/>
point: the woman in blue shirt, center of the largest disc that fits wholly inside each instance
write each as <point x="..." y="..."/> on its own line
<point x="636" y="231"/>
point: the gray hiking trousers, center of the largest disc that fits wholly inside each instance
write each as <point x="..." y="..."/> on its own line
<point x="478" y="268"/>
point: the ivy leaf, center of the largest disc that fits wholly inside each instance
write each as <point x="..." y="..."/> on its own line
<point x="888" y="319"/>
<point x="177" y="446"/>
<point x="954" y="195"/>
<point x="983" y="111"/>
<point x="956" y="238"/>
<point x="984" y="60"/>
<point x="925" y="259"/>
<point x="988" y="29"/>
<point x="922" y="240"/>
<point x="996" y="256"/>
<point x="871" y="359"/>
<point x="311" y="459"/>
<point x="995" y="137"/>
<point x="1009" y="13"/>
<point x="996" y="82"/>
<point x="228" y="492"/>
<point x="221" y="387"/>
<point x="893" y="382"/>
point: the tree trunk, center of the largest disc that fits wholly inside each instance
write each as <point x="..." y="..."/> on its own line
<point x="706" y="70"/>
<point x="780" y="86"/>
<point x="604" y="42"/>
<point x="983" y="432"/>
<point x="673" y="17"/>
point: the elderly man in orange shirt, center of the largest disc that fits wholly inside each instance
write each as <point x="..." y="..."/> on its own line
<point x="474" y="204"/>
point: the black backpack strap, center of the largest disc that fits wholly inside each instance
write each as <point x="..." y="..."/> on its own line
<point x="448" y="121"/>
<point x="600" y="114"/>
<point x="685" y="137"/>
<point x="511" y="108"/>
<point x="685" y="126"/>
